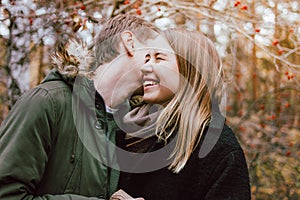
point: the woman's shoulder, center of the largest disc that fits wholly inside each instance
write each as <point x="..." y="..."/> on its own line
<point x="228" y="138"/>
<point x="218" y="142"/>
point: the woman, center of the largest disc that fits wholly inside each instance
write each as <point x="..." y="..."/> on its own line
<point x="206" y="160"/>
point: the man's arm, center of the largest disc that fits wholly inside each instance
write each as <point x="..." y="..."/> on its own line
<point x="25" y="144"/>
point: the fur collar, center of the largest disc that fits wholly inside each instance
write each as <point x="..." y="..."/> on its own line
<point x="72" y="58"/>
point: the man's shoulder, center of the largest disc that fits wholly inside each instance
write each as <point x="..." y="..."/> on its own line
<point x="51" y="86"/>
<point x="53" y="92"/>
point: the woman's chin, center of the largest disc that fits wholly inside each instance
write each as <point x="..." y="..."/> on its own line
<point x="148" y="98"/>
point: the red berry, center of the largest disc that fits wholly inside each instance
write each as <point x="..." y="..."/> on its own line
<point x="138" y="11"/>
<point x="237" y="3"/>
<point x="273" y="117"/>
<point x="82" y="7"/>
<point x="242" y="128"/>
<point x="257" y="30"/>
<point x="292" y="76"/>
<point x="228" y="108"/>
<point x="245" y="7"/>
<point x="262" y="107"/>
<point x="287" y="105"/>
<point x="288" y="153"/>
<point x="280" y="52"/>
<point x="126" y="2"/>
<point x="286" y="73"/>
<point x="30" y="21"/>
<point x="275" y="42"/>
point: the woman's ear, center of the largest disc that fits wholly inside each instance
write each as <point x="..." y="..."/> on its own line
<point x="128" y="42"/>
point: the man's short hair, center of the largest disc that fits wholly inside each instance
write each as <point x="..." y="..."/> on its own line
<point x="106" y="44"/>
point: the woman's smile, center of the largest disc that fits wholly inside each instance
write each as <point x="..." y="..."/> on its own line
<point x="150" y="83"/>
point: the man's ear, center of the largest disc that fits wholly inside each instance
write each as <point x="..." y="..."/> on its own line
<point x="128" y="42"/>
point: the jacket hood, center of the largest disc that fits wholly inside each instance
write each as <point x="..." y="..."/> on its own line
<point x="72" y="57"/>
<point x="53" y="75"/>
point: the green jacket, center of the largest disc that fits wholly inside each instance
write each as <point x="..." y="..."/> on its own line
<point x="53" y="144"/>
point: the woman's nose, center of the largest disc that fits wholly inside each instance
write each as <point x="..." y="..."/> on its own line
<point x="147" y="67"/>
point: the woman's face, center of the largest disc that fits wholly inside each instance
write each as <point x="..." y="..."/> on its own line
<point x="160" y="75"/>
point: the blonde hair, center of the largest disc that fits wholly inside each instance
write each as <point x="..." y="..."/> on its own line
<point x="190" y="111"/>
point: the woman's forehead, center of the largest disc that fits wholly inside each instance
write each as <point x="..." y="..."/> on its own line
<point x="159" y="44"/>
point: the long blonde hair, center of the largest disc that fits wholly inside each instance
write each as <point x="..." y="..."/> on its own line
<point x="190" y="111"/>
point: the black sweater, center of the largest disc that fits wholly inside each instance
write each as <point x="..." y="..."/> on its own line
<point x="221" y="174"/>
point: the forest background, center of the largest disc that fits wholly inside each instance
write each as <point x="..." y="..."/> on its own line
<point x="258" y="41"/>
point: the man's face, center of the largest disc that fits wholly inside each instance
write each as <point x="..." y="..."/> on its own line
<point x="122" y="77"/>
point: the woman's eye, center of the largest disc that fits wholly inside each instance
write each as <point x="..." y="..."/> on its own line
<point x="146" y="60"/>
<point x="159" y="58"/>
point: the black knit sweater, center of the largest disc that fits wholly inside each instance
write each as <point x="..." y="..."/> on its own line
<point x="221" y="174"/>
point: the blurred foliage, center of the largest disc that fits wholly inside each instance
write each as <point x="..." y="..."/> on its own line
<point x="257" y="40"/>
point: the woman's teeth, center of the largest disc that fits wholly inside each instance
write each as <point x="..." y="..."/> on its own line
<point x="149" y="83"/>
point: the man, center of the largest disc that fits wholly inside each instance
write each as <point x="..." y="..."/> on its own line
<point x="52" y="142"/>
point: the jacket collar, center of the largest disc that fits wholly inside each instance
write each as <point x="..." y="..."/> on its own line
<point x="82" y="89"/>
